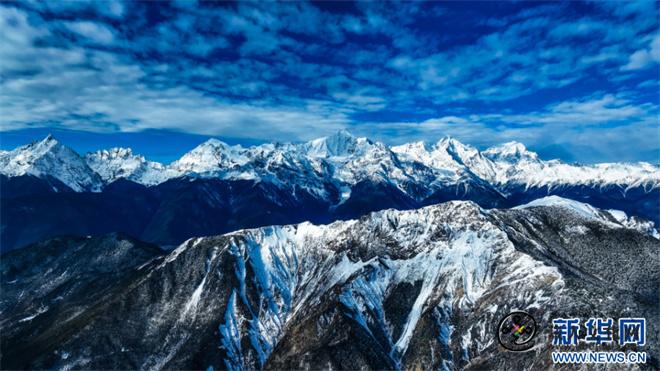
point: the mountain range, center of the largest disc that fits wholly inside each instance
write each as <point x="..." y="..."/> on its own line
<point x="413" y="289"/>
<point x="47" y="189"/>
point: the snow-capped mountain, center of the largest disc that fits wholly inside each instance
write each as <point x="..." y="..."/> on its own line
<point x="121" y="163"/>
<point x="210" y="156"/>
<point x="50" y="159"/>
<point x="216" y="188"/>
<point x="515" y="165"/>
<point x="341" y="144"/>
<point x="511" y="152"/>
<point x="416" y="289"/>
<point x="613" y="218"/>
<point x="340" y="158"/>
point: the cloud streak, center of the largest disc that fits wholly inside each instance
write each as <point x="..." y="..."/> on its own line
<point x="294" y="71"/>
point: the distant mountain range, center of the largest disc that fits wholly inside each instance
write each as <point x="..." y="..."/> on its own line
<point x="416" y="289"/>
<point x="48" y="189"/>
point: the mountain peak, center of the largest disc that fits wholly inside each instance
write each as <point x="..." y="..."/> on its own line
<point x="341" y="143"/>
<point x="214" y="142"/>
<point x="114" y="153"/>
<point x="114" y="163"/>
<point x="449" y="142"/>
<point x="447" y="139"/>
<point x="415" y="151"/>
<point x="44" y="145"/>
<point x="514" y="146"/>
<point x="215" y="147"/>
<point x="48" y="157"/>
<point x="455" y="147"/>
<point x="343" y="133"/>
<point x="512" y="151"/>
<point x="341" y="136"/>
<point x="420" y="145"/>
<point x="212" y="155"/>
<point x="210" y="148"/>
<point x="580" y="208"/>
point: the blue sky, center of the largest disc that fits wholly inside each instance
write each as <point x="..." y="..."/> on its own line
<point x="576" y="80"/>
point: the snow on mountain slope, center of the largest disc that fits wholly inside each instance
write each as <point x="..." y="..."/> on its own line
<point x="436" y="158"/>
<point x="510" y="152"/>
<point x="297" y="265"/>
<point x="340" y="144"/>
<point x="414" y="151"/>
<point x="344" y="160"/>
<point x="515" y="165"/>
<point x="360" y="264"/>
<point x="117" y="163"/>
<point x="50" y="158"/>
<point x="615" y="218"/>
<point x="580" y="208"/>
<point x="210" y="156"/>
<point x="416" y="289"/>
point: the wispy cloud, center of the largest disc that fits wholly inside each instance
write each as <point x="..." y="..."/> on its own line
<point x="297" y="70"/>
<point x="645" y="57"/>
<point x="591" y="129"/>
<point x="93" y="31"/>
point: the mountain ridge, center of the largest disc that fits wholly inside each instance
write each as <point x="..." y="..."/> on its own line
<point x="415" y="289"/>
<point x="507" y="163"/>
<point x="49" y="158"/>
<point x="216" y="188"/>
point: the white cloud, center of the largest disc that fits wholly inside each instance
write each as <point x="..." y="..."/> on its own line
<point x="96" y="32"/>
<point x="655" y="48"/>
<point x="444" y="121"/>
<point x="298" y="73"/>
<point x="114" y="9"/>
<point x="644" y="58"/>
<point x="638" y="60"/>
<point x="592" y="129"/>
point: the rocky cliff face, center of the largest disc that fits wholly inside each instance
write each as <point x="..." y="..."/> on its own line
<point x="419" y="289"/>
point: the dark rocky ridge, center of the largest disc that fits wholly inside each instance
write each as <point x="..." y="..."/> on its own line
<point x="171" y="212"/>
<point x="338" y="296"/>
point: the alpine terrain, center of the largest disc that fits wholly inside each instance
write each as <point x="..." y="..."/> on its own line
<point x="412" y="289"/>
<point x="47" y="189"/>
